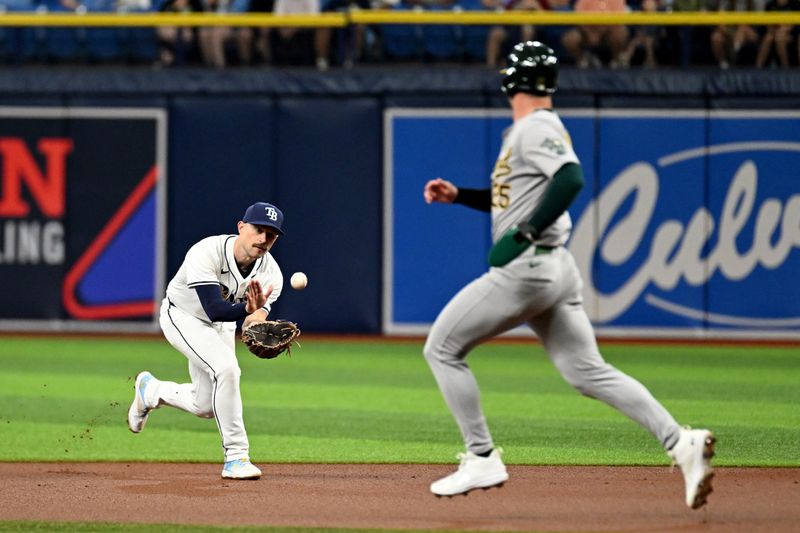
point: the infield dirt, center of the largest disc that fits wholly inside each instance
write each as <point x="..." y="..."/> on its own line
<point x="536" y="498"/>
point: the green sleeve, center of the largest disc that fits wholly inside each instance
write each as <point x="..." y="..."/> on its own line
<point x="558" y="196"/>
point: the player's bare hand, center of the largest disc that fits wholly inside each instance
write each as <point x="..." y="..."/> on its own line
<point x="256" y="297"/>
<point x="259" y="316"/>
<point x="439" y="190"/>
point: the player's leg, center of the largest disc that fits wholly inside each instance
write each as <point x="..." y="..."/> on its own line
<point x="215" y="385"/>
<point x="215" y="377"/>
<point x="456" y="330"/>
<point x="472" y="316"/>
<point x="490" y="305"/>
<point x="194" y="397"/>
<point x="568" y="338"/>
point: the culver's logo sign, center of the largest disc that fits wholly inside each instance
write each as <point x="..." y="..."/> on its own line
<point x="725" y="256"/>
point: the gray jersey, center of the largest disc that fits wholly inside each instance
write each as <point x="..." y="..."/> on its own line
<point x="533" y="150"/>
<point x="211" y="262"/>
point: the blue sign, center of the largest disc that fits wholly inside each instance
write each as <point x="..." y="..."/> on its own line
<point x="688" y="226"/>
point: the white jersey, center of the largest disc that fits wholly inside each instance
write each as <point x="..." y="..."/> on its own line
<point x="534" y="148"/>
<point x="211" y="262"/>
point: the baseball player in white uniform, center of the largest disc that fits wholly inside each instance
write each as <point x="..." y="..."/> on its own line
<point x="533" y="280"/>
<point x="224" y="279"/>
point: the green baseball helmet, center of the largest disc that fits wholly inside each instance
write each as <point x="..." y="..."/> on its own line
<point x="532" y="68"/>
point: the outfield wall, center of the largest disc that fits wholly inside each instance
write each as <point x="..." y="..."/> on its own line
<point x="317" y="146"/>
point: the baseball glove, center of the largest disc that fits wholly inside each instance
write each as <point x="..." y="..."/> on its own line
<point x="270" y="338"/>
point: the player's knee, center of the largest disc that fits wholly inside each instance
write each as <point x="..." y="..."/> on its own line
<point x="228" y="373"/>
<point x="429" y="350"/>
<point x="575" y="379"/>
<point x="436" y="352"/>
<point x="204" y="409"/>
<point x="580" y="377"/>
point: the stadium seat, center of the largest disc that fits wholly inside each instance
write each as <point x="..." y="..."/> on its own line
<point x="141" y="44"/>
<point x="443" y="42"/>
<point x="102" y="44"/>
<point x="474" y="37"/>
<point x="7" y="38"/>
<point x="62" y="44"/>
<point x="138" y="44"/>
<point x="475" y="42"/>
<point x="15" y="42"/>
<point x="402" y="41"/>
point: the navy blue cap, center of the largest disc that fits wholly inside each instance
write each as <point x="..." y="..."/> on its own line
<point x="264" y="214"/>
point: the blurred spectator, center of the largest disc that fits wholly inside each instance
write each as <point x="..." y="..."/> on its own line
<point x="354" y="48"/>
<point x="644" y="40"/>
<point x="689" y="42"/>
<point x="499" y="36"/>
<point x="69" y="5"/>
<point x="589" y="45"/>
<point x="778" y="38"/>
<point x="737" y="44"/>
<point x="294" y="46"/>
<point x="133" y="5"/>
<point x="429" y="3"/>
<point x="212" y="39"/>
<point x="553" y="35"/>
<point x="177" y="44"/>
<point x="254" y="43"/>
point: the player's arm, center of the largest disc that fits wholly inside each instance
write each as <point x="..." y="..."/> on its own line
<point x="557" y="197"/>
<point x="439" y="190"/>
<point x="219" y="310"/>
<point x="480" y="199"/>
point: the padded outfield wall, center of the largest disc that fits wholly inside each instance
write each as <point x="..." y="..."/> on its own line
<point x="688" y="227"/>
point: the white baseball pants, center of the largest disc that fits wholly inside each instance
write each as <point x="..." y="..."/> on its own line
<point x="214" y="370"/>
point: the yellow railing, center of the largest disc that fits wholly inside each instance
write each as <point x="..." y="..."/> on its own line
<point x="331" y="20"/>
<point x="561" y="18"/>
<point x="338" y="20"/>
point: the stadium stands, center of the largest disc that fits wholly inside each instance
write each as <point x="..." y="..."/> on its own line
<point x="397" y="42"/>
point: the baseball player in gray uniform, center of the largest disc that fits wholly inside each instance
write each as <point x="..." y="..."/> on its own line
<point x="533" y="280"/>
<point x="224" y="279"/>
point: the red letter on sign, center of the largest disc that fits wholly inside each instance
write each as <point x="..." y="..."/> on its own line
<point x="19" y="166"/>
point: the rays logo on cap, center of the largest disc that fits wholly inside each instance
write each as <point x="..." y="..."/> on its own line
<point x="264" y="214"/>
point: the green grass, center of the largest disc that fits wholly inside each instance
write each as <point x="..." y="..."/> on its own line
<point x="66" y="399"/>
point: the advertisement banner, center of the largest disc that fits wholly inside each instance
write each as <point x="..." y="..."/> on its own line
<point x="688" y="225"/>
<point x="82" y="217"/>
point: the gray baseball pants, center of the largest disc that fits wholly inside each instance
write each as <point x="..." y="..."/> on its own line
<point x="543" y="291"/>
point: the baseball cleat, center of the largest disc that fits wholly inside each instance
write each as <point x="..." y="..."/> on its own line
<point x="693" y="453"/>
<point x="474" y="472"/>
<point x="240" y="469"/>
<point x="138" y="413"/>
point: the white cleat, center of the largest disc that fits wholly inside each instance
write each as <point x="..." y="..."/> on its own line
<point x="138" y="413"/>
<point x="240" y="469"/>
<point x="474" y="472"/>
<point x="693" y="453"/>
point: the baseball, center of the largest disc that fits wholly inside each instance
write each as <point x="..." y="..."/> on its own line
<point x="299" y="281"/>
